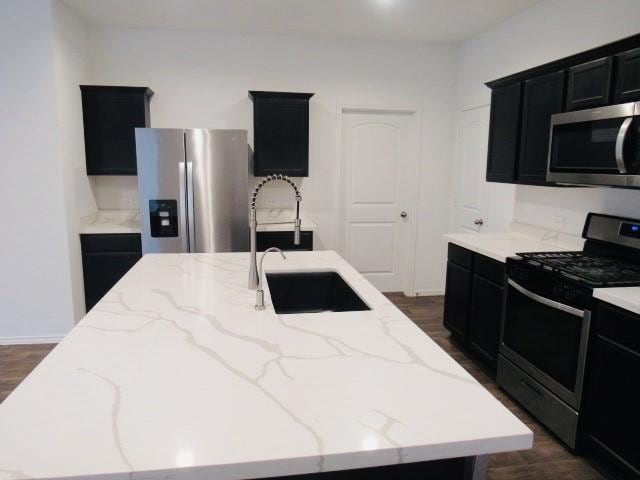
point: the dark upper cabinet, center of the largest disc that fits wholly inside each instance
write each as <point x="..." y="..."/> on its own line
<point x="589" y="84"/>
<point x="504" y="133"/>
<point x="612" y="395"/>
<point x="543" y="96"/>
<point x="280" y="133"/>
<point x="627" y="87"/>
<point x="110" y="116"/>
<point x="105" y="259"/>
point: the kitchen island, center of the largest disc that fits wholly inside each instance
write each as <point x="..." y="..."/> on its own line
<point x="174" y="374"/>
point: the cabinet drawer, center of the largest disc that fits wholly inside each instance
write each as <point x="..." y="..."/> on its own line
<point x="110" y="242"/>
<point x="489" y="269"/>
<point x="619" y="325"/>
<point x="460" y="256"/>
<point x="284" y="241"/>
<point x="558" y="417"/>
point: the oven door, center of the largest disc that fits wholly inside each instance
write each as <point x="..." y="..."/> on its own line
<point x="546" y="339"/>
<point x="596" y="146"/>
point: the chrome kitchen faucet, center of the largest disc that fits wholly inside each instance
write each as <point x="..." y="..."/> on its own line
<point x="260" y="291"/>
<point x="253" y="223"/>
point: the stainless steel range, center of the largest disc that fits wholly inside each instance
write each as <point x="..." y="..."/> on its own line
<point x="547" y="316"/>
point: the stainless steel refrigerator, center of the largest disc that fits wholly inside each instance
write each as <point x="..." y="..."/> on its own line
<point x="193" y="190"/>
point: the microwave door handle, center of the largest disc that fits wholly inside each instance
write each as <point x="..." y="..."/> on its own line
<point x="622" y="135"/>
<point x="546" y="301"/>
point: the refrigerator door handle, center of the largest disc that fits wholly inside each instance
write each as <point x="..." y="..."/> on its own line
<point x="182" y="209"/>
<point x="190" y="211"/>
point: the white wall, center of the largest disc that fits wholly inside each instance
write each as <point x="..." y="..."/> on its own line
<point x="550" y="30"/>
<point x="201" y="79"/>
<point x="35" y="285"/>
<point x="70" y="69"/>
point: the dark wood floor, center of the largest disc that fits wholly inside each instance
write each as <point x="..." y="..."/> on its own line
<point x="547" y="460"/>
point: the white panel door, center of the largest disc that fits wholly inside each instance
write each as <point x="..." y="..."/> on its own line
<point x="471" y="154"/>
<point x="379" y="151"/>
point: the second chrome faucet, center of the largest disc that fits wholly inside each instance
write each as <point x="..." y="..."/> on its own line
<point x="260" y="291"/>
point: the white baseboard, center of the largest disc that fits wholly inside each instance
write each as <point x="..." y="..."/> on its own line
<point x="29" y="340"/>
<point x="429" y="293"/>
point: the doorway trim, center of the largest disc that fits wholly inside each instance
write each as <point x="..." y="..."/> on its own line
<point x="409" y="281"/>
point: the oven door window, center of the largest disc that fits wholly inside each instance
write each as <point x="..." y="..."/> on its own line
<point x="590" y="147"/>
<point x="546" y="337"/>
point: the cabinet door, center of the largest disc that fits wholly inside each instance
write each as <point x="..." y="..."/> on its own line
<point x="627" y="77"/>
<point x="589" y="84"/>
<point x="284" y="241"/>
<point x="281" y="136"/>
<point x="504" y="128"/>
<point x="102" y="270"/>
<point x="543" y="96"/>
<point x="457" y="299"/>
<point x="485" y="318"/>
<point x="612" y="405"/>
<point x="110" y="116"/>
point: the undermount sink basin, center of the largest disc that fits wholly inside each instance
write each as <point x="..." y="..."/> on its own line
<point x="312" y="292"/>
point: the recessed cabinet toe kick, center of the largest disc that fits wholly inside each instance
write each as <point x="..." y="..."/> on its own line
<point x="176" y="374"/>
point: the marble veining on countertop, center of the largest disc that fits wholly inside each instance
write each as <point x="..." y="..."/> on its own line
<point x="174" y="374"/>
<point x="274" y="215"/>
<point x="520" y="238"/>
<point x="111" y="221"/>
<point x="627" y="298"/>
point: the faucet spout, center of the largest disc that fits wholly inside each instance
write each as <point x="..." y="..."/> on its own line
<point x="260" y="291"/>
<point x="253" y="223"/>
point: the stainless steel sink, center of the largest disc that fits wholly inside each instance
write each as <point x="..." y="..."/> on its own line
<point x="312" y="292"/>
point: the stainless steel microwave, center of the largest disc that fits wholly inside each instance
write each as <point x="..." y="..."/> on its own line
<point x="599" y="146"/>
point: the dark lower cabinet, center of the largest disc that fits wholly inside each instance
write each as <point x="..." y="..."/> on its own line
<point x="484" y="318"/>
<point x="284" y="241"/>
<point x="473" y="301"/>
<point x="543" y="96"/>
<point x="612" y="396"/>
<point x="105" y="260"/>
<point x="627" y="77"/>
<point x="504" y="133"/>
<point x="457" y="300"/>
<point x="589" y="84"/>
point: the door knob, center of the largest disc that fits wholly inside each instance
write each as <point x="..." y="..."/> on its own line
<point x="478" y="221"/>
<point x="403" y="214"/>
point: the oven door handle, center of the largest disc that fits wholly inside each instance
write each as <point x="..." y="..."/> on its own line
<point x="622" y="135"/>
<point x="546" y="301"/>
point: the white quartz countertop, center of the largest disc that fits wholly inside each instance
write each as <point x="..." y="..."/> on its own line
<point x="111" y="221"/>
<point x="623" y="297"/>
<point x="269" y="218"/>
<point x="520" y="239"/>
<point x="174" y="374"/>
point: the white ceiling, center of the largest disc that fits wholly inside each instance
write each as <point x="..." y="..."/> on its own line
<point x="438" y="21"/>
